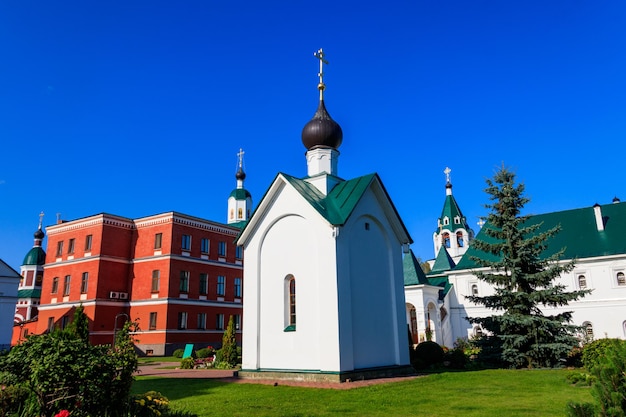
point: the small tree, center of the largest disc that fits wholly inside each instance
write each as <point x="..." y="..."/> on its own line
<point x="609" y="387"/>
<point x="79" y="326"/>
<point x="523" y="278"/>
<point x="228" y="352"/>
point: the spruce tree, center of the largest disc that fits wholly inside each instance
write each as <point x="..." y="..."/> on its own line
<point x="524" y="282"/>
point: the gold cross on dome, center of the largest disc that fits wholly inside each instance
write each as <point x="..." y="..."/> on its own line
<point x="320" y="55"/>
<point x="447" y="171"/>
<point x="240" y="156"/>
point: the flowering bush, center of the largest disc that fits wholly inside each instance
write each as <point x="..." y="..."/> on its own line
<point x="150" y="404"/>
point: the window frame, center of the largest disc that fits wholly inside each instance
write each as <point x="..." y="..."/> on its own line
<point x="67" y="284"/>
<point x="71" y="246"/>
<point x="88" y="242"/>
<point x="152" y="321"/>
<point x="158" y="241"/>
<point x="221" y="248"/>
<point x="219" y="321"/>
<point x="155" y="284"/>
<point x="185" y="243"/>
<point x="182" y="320"/>
<point x="59" y="248"/>
<point x="237" y="287"/>
<point x="183" y="286"/>
<point x="55" y="286"/>
<point x="203" y="283"/>
<point x="84" y="283"/>
<point x="201" y="325"/>
<point x="220" y="288"/>
<point x="205" y="245"/>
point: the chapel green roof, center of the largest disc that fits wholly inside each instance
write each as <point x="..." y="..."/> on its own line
<point x="36" y="293"/>
<point x="240" y="194"/>
<point x="413" y="273"/>
<point x="35" y="256"/>
<point x="443" y="262"/>
<point x="337" y="206"/>
<point x="579" y="234"/>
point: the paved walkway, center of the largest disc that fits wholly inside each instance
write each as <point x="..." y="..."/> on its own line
<point x="157" y="370"/>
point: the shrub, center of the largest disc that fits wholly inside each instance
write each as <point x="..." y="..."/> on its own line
<point x="594" y="351"/>
<point x="187" y="363"/>
<point x="580" y="409"/>
<point x="427" y="354"/>
<point x="609" y="387"/>
<point x="178" y="353"/>
<point x="455" y="358"/>
<point x="205" y="352"/>
<point x="150" y="404"/>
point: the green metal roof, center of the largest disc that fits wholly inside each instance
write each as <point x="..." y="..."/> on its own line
<point x="413" y="273"/>
<point x="443" y="262"/>
<point x="579" y="234"/>
<point x="35" y="256"/>
<point x="36" y="293"/>
<point x="240" y="194"/>
<point x="451" y="210"/>
<point x="337" y="206"/>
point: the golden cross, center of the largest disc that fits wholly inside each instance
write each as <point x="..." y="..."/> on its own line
<point x="321" y="86"/>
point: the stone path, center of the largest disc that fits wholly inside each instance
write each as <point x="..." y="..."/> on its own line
<point x="229" y="376"/>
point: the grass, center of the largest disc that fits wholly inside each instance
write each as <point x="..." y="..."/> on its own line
<point x="481" y="393"/>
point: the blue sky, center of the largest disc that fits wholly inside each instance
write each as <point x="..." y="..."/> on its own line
<point x="140" y="107"/>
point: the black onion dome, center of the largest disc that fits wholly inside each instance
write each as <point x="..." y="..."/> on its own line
<point x="39" y="234"/>
<point x="240" y="175"/>
<point x="322" y="131"/>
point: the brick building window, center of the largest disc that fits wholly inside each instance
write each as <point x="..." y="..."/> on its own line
<point x="237" y="321"/>
<point x="65" y="320"/>
<point x="55" y="285"/>
<point x="204" y="284"/>
<point x="66" y="285"/>
<point x="156" y="280"/>
<point x="88" y="241"/>
<point x="153" y="321"/>
<point x="221" y="249"/>
<point x="238" y="252"/>
<point x="238" y="287"/>
<point x="221" y="285"/>
<point x="202" y="321"/>
<point x="84" y="283"/>
<point x="70" y="246"/>
<point x="184" y="281"/>
<point x="50" y="324"/>
<point x="60" y="248"/>
<point x="186" y="242"/>
<point x="182" y="320"/>
<point x="204" y="245"/>
<point x="158" y="240"/>
<point x="219" y="322"/>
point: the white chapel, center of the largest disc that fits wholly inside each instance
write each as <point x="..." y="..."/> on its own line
<point x="324" y="275"/>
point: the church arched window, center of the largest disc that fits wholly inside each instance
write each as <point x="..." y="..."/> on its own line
<point x="457" y="220"/>
<point x="582" y="282"/>
<point x="588" y="328"/>
<point x="240" y="213"/>
<point x="232" y="213"/>
<point x="445" y="239"/>
<point x="459" y="239"/>
<point x="621" y="279"/>
<point x="478" y="331"/>
<point x="290" y="303"/>
<point x="446" y="221"/>
<point x="474" y="289"/>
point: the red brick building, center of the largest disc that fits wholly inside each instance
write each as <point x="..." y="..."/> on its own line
<point x="178" y="276"/>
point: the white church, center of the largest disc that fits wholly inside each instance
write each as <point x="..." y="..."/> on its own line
<point x="436" y="304"/>
<point x="324" y="275"/>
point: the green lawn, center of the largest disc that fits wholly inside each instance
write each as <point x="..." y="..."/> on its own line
<point x="499" y="393"/>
